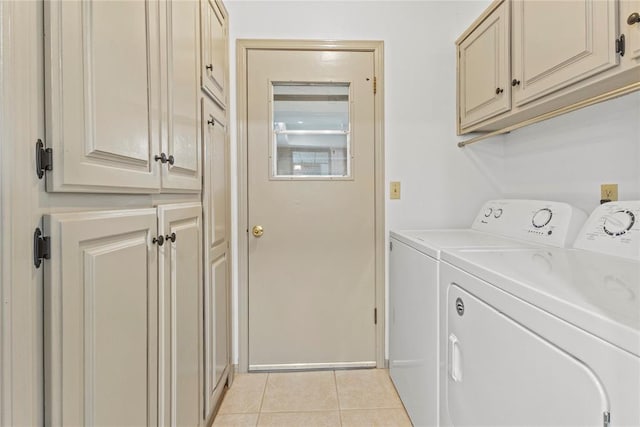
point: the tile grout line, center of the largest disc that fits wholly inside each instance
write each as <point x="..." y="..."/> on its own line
<point x="335" y="382"/>
<point x="264" y="392"/>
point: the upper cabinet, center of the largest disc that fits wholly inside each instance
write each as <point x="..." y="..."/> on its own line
<point x="555" y="45"/>
<point x="122" y="96"/>
<point x="483" y="61"/>
<point x="214" y="50"/>
<point x="103" y="95"/>
<point x="524" y="60"/>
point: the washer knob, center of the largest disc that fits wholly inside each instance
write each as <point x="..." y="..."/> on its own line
<point x="541" y="218"/>
<point x="619" y="223"/>
<point x="487" y="212"/>
<point x="497" y="213"/>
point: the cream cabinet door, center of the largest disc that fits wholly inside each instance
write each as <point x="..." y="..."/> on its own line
<point x="561" y="42"/>
<point x="630" y="14"/>
<point x="102" y="95"/>
<point x="217" y="279"/>
<point x="182" y="144"/>
<point x="180" y="317"/>
<point x="483" y="74"/>
<point x="214" y="49"/>
<point x="101" y="319"/>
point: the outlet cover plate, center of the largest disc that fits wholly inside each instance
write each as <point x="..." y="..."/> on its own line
<point x="394" y="190"/>
<point x="609" y="192"/>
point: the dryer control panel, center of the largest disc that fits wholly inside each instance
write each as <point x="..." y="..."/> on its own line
<point x="613" y="228"/>
<point x="537" y="221"/>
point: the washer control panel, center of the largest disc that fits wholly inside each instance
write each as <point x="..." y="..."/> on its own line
<point x="613" y="228"/>
<point x="537" y="221"/>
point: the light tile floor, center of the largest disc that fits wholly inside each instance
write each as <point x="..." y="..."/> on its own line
<point x="354" y="398"/>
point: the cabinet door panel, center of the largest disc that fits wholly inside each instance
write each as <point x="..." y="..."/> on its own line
<point x="100" y="319"/>
<point x="558" y="43"/>
<point x="483" y="75"/>
<point x="631" y="31"/>
<point x="102" y="95"/>
<point x="181" y="313"/>
<point x="217" y="279"/>
<point x="183" y="139"/>
<point x="216" y="192"/>
<point x="214" y="50"/>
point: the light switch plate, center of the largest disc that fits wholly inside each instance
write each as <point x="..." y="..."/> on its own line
<point x="609" y="192"/>
<point x="394" y="191"/>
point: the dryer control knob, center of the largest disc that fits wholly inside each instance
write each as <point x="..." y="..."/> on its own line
<point x="487" y="212"/>
<point x="497" y="213"/>
<point x="541" y="218"/>
<point x="618" y="223"/>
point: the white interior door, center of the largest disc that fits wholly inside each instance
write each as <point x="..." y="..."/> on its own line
<point x="311" y="205"/>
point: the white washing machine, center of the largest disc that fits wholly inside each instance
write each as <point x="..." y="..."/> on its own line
<point x="413" y="286"/>
<point x="547" y="336"/>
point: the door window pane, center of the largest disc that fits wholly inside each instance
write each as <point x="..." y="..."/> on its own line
<point x="311" y="130"/>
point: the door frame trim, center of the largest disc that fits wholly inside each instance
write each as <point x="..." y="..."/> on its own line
<point x="243" y="46"/>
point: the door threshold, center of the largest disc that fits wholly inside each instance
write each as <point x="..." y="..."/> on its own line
<point x="292" y="367"/>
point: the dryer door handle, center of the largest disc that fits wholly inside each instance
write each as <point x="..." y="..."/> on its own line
<point x="455" y="362"/>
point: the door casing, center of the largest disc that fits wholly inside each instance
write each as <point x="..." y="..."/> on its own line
<point x="243" y="46"/>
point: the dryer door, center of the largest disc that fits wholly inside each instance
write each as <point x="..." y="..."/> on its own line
<point x="501" y="373"/>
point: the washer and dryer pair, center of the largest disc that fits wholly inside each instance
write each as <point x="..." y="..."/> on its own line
<point x="526" y="332"/>
<point x="414" y="273"/>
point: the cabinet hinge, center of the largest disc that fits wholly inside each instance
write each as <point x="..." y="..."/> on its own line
<point x="375" y="85"/>
<point x="606" y="419"/>
<point x="41" y="247"/>
<point x="620" y="45"/>
<point x="375" y="316"/>
<point x="390" y="246"/>
<point x="44" y="159"/>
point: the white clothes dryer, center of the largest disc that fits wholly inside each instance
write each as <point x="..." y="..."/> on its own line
<point x="547" y="336"/>
<point x="413" y="286"/>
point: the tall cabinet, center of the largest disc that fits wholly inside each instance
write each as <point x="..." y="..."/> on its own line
<point x="216" y="203"/>
<point x="217" y="248"/>
<point x="137" y="261"/>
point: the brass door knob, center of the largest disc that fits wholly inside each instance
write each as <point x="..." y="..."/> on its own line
<point x="257" y="230"/>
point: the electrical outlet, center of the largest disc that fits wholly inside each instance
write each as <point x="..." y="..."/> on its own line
<point x="609" y="192"/>
<point x="394" y="191"/>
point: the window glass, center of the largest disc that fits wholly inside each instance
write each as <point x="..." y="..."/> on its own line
<point x="311" y="130"/>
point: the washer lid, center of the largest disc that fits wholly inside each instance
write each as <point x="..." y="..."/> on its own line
<point x="432" y="242"/>
<point x="595" y="292"/>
